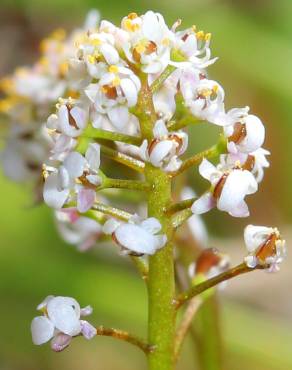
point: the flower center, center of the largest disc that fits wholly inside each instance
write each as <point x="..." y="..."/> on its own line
<point x="239" y="133"/>
<point x="219" y="186"/>
<point x="267" y="249"/>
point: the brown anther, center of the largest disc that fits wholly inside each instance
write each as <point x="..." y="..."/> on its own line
<point x="202" y="76"/>
<point x="178" y="140"/>
<point x="84" y="181"/>
<point x="152" y="145"/>
<point x="185" y="37"/>
<point x="150" y="48"/>
<point x="33" y="166"/>
<point x="136" y="55"/>
<point x="249" y="163"/>
<point x="268" y="248"/>
<point x="110" y="91"/>
<point x="207" y="259"/>
<point x="239" y="133"/>
<point x="219" y="186"/>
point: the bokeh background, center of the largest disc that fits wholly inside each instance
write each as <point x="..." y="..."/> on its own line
<point x="253" y="39"/>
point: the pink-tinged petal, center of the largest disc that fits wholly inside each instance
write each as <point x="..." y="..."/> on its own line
<point x="71" y="213"/>
<point x="110" y="226"/>
<point x="206" y="169"/>
<point x="119" y="116"/>
<point x="130" y="91"/>
<point x="203" y="204"/>
<point x="87" y="330"/>
<point x="232" y="148"/>
<point x="85" y="199"/>
<point x="42" y="330"/>
<point x="60" y="342"/>
<point x="86" y="311"/>
<point x="241" y="210"/>
<point x="52" y="196"/>
<point x="255" y="134"/>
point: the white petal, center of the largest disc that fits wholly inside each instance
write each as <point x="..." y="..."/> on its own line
<point x="60" y="342"/>
<point x="87" y="330"/>
<point x="130" y="91"/>
<point x="206" y="169"/>
<point x="255" y="134"/>
<point x="93" y="156"/>
<point x="110" y="53"/>
<point x="160" y="129"/>
<point x="152" y="225"/>
<point x="44" y="303"/>
<point x="42" y="330"/>
<point x="75" y="164"/>
<point x="80" y="116"/>
<point x="86" y="311"/>
<point x="64" y="312"/>
<point x="119" y="116"/>
<point x="161" y="150"/>
<point x="110" y="226"/>
<point x="85" y="199"/>
<point x="240" y="210"/>
<point x="203" y="204"/>
<point x="254" y="236"/>
<point x="52" y="196"/>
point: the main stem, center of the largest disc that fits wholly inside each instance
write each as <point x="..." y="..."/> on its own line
<point x="161" y="285"/>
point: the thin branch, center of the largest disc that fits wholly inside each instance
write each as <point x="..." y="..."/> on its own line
<point x="175" y="125"/>
<point x="111" y="211"/>
<point x="207" y="284"/>
<point x="125" y="336"/>
<point x="96" y="133"/>
<point x="160" y="80"/>
<point x="179" y="218"/>
<point x="125" y="184"/>
<point x="185" y="324"/>
<point x="179" y="206"/>
<point x="141" y="266"/>
<point x="212" y="152"/>
<point x="122" y="158"/>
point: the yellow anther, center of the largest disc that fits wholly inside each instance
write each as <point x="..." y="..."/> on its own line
<point x="91" y="59"/>
<point x="116" y="81"/>
<point x="194" y="28"/>
<point x="95" y="42"/>
<point x="113" y="69"/>
<point x="200" y="35"/>
<point x="206" y="93"/>
<point x="21" y="72"/>
<point x="140" y="48"/>
<point x="215" y="88"/>
<point x="44" y="45"/>
<point x="165" y="42"/>
<point x="208" y="36"/>
<point x="7" y="85"/>
<point x="132" y="16"/>
<point x="130" y="26"/>
<point x="44" y="61"/>
<point x="63" y="68"/>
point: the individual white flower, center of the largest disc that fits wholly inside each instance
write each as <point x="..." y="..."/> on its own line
<point x="246" y="133"/>
<point x="114" y="94"/>
<point x="194" y="47"/>
<point x="77" y="175"/>
<point x="164" y="149"/>
<point x="255" y="162"/>
<point x="137" y="236"/>
<point x="71" y="118"/>
<point x="210" y="263"/>
<point x="77" y="230"/>
<point x="149" y="41"/>
<point x="60" y="322"/>
<point x="265" y="246"/>
<point x="228" y="189"/>
<point x="205" y="100"/>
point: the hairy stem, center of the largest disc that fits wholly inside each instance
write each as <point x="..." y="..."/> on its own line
<point x="179" y="206"/>
<point x="160" y="80"/>
<point x="111" y="211"/>
<point x="97" y="133"/>
<point x="125" y="184"/>
<point x="125" y="336"/>
<point x="141" y="266"/>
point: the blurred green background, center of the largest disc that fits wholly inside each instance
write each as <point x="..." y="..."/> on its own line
<point x="253" y="39"/>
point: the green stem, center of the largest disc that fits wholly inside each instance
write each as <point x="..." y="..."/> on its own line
<point x="212" y="152"/>
<point x="122" y="158"/>
<point x="175" y="125"/>
<point x="125" y="336"/>
<point x="111" y="211"/>
<point x="96" y="133"/>
<point x="179" y="206"/>
<point x="207" y="284"/>
<point x="160" y="80"/>
<point x="141" y="266"/>
<point x="125" y="184"/>
<point x="179" y="218"/>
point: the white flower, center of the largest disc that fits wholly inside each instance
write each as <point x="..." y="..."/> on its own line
<point x="114" y="94"/>
<point x="246" y="133"/>
<point x="205" y="100"/>
<point x="149" y="41"/>
<point x="228" y="190"/>
<point x="137" y="236"/>
<point x="77" y="230"/>
<point x="164" y="149"/>
<point x="195" y="47"/>
<point x="60" y="322"/>
<point x="77" y="174"/>
<point x="255" y="162"/>
<point x="71" y="119"/>
<point x="265" y="247"/>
